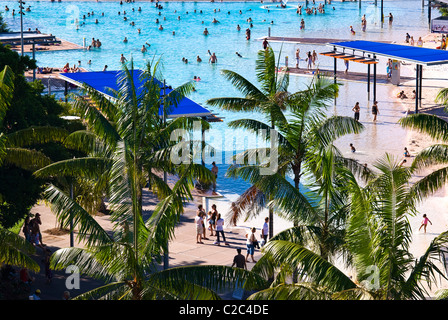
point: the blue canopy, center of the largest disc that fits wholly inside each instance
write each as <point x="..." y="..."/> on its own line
<point x="103" y="81"/>
<point x="406" y="53"/>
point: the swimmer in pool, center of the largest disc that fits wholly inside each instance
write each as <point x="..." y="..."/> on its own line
<point x="213" y="58"/>
<point x="239" y="55"/>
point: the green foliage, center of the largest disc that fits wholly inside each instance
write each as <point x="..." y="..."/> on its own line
<point x="27" y="139"/>
<point x="19" y="191"/>
<point x="3" y="25"/>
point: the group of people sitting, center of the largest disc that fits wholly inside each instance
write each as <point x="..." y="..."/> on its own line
<point x="403" y="95"/>
<point x="44" y="70"/>
<point x="74" y="69"/>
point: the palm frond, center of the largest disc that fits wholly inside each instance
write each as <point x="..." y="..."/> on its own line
<point x="36" y="135"/>
<point x="16" y="251"/>
<point x="89" y="167"/>
<point x="66" y="210"/>
<point x="318" y="270"/>
<point x="26" y="159"/>
<point x="432" y="125"/>
<point x="296" y="291"/>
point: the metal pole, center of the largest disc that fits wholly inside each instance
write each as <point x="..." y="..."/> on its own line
<point x="368" y="82"/>
<point x="334" y="70"/>
<point x="34" y="58"/>
<point x="72" y="242"/>
<point x="420" y="95"/>
<point x="382" y="13"/>
<point x="417" y="74"/>
<point x="21" y="3"/>
<point x="429" y="14"/>
<point x="359" y="4"/>
<point x="65" y="90"/>
<point x="166" y="258"/>
<point x="374" y="80"/>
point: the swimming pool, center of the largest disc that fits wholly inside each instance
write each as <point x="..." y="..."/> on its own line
<point x="188" y="20"/>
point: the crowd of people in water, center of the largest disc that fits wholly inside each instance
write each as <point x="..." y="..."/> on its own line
<point x="96" y="43"/>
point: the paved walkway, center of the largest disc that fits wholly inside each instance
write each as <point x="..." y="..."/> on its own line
<point x="183" y="249"/>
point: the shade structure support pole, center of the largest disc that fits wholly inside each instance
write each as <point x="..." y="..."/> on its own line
<point x="374" y="80"/>
<point x="368" y="80"/>
<point x="420" y="87"/>
<point x="34" y="58"/>
<point x="202" y="144"/>
<point x="166" y="257"/>
<point x="417" y="85"/>
<point x="334" y="69"/>
<point x="334" y="76"/>
<point x="429" y="14"/>
<point x="65" y="90"/>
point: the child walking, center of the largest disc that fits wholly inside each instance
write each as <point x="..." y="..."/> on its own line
<point x="425" y="223"/>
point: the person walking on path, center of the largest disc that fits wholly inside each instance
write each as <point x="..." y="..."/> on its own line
<point x="375" y="110"/>
<point x="425" y="223"/>
<point x="220" y="230"/>
<point x="356" y="109"/>
<point x="265" y="230"/>
<point x="250" y="244"/>
<point x="239" y="261"/>
<point x="199" y="225"/>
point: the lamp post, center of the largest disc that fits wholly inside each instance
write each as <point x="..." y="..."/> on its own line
<point x="21" y="3"/>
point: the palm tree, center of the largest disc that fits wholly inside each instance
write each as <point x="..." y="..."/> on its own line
<point x="378" y="237"/>
<point x="131" y="143"/>
<point x="436" y="154"/>
<point x="270" y="100"/>
<point x="301" y="121"/>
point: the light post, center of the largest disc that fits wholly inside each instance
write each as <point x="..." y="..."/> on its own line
<point x="21" y="3"/>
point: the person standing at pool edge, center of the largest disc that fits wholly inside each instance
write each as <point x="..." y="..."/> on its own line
<point x="375" y="110"/>
<point x="215" y="172"/>
<point x="356" y="109"/>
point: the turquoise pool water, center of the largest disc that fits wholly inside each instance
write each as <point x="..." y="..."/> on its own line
<point x="185" y="19"/>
